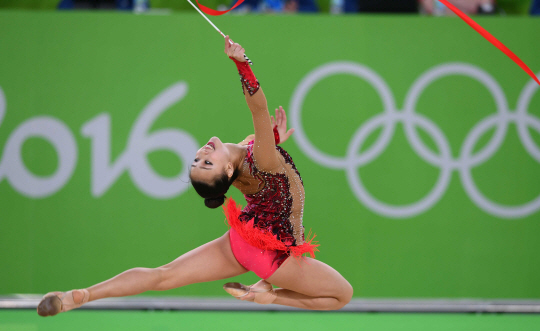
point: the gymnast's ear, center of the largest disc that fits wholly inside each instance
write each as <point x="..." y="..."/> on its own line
<point x="229" y="170"/>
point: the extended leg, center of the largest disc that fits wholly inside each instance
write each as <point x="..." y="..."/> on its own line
<point x="209" y="262"/>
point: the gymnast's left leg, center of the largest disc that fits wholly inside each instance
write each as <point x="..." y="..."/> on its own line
<point x="308" y="284"/>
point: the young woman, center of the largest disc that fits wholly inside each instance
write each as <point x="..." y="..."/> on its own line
<point x="266" y="237"/>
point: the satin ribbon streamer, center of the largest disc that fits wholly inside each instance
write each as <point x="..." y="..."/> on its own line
<point x="213" y="12"/>
<point x="489" y="37"/>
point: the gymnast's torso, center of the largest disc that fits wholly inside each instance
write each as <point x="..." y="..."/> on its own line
<point x="275" y="199"/>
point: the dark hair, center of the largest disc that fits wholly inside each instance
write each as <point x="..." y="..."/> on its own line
<point x="214" y="195"/>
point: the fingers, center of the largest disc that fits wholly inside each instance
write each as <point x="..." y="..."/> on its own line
<point x="236" y="52"/>
<point x="287" y="134"/>
<point x="272" y="121"/>
<point x="283" y="115"/>
<point x="281" y="118"/>
<point x="227" y="45"/>
<point x="233" y="50"/>
<point x="230" y="47"/>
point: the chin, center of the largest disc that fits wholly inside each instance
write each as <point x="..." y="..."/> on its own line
<point x="216" y="141"/>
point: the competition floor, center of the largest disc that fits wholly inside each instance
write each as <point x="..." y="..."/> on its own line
<point x="28" y="320"/>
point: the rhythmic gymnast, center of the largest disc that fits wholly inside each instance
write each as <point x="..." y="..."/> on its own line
<point x="266" y="237"/>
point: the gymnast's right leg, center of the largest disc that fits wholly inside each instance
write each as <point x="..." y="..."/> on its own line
<point x="209" y="262"/>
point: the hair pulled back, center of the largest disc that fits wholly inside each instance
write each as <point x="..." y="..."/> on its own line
<point x="214" y="194"/>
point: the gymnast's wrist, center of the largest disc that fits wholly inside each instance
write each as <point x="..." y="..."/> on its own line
<point x="247" y="77"/>
<point x="238" y="62"/>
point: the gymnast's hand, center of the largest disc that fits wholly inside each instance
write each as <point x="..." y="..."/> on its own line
<point x="281" y="123"/>
<point x="234" y="51"/>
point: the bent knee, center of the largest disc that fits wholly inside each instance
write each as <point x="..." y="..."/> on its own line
<point x="344" y="296"/>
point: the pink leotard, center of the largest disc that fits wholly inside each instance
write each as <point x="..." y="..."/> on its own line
<point x="262" y="235"/>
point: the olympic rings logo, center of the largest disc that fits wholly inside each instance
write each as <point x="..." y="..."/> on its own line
<point x="408" y="117"/>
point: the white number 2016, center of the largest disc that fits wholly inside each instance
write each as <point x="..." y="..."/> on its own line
<point x="103" y="172"/>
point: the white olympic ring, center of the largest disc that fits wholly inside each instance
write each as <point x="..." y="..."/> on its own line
<point x="410" y="119"/>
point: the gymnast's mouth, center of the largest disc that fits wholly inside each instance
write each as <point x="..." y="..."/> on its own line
<point x="211" y="144"/>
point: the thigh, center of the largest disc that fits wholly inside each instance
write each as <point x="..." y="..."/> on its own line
<point x="310" y="277"/>
<point x="209" y="262"/>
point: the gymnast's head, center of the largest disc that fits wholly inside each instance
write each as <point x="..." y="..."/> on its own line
<point x="212" y="172"/>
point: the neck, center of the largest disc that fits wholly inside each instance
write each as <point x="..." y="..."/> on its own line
<point x="238" y="154"/>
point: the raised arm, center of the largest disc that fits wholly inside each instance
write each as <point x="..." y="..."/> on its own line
<point x="264" y="147"/>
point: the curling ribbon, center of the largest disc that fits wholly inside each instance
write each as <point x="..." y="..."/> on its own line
<point x="213" y="12"/>
<point x="489" y="37"/>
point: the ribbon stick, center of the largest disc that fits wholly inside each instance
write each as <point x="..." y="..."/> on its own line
<point x="210" y="11"/>
<point x="215" y="27"/>
<point x="489" y="37"/>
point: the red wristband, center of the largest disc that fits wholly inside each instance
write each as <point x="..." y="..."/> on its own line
<point x="247" y="77"/>
<point x="276" y="135"/>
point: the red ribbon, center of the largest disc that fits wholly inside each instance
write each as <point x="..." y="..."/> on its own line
<point x="489" y="37"/>
<point x="213" y="12"/>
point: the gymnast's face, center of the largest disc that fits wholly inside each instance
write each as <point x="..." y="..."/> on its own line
<point x="210" y="161"/>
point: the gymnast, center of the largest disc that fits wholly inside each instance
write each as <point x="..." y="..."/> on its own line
<point x="266" y="237"/>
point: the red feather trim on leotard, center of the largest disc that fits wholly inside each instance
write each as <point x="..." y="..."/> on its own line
<point x="261" y="238"/>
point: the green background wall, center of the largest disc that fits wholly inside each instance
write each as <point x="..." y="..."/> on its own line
<point x="512" y="7"/>
<point x="67" y="69"/>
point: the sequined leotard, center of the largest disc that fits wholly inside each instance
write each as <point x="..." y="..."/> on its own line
<point x="271" y="207"/>
<point x="272" y="220"/>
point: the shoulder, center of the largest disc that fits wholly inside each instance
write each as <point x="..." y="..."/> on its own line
<point x="248" y="139"/>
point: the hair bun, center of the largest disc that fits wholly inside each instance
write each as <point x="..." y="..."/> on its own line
<point x="214" y="202"/>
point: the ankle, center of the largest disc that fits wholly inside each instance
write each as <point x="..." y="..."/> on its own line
<point x="265" y="298"/>
<point x="262" y="284"/>
<point x="80" y="297"/>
